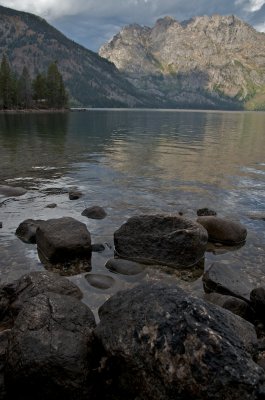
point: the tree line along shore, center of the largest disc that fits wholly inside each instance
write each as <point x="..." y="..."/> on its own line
<point x="22" y="92"/>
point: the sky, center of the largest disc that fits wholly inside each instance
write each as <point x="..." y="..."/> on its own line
<point x="94" y="22"/>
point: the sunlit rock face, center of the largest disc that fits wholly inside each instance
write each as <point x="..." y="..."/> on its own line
<point x="194" y="62"/>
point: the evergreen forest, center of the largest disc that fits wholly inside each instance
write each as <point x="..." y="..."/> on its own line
<point x="44" y="91"/>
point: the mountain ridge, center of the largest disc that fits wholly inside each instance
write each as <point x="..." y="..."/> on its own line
<point x="205" y="60"/>
<point x="29" y="40"/>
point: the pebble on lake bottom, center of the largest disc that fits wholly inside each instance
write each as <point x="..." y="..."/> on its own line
<point x="100" y="281"/>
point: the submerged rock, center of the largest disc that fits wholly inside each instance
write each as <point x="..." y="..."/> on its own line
<point x="63" y="239"/>
<point x="97" y="247"/>
<point x="26" y="230"/>
<point x="9" y="191"/>
<point x="161" y="343"/>
<point x="52" y="205"/>
<point x="50" y="350"/>
<point x="161" y="239"/>
<point x="75" y="195"/>
<point x="94" y="212"/>
<point x="223" y="230"/>
<point x="229" y="280"/>
<point x="124" y="267"/>
<point x="257" y="216"/>
<point x="100" y="281"/>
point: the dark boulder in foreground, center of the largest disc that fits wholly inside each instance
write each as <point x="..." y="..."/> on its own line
<point x="63" y="239"/>
<point x="9" y="191"/>
<point x="161" y="343"/>
<point x="94" y="212"/>
<point x="14" y="295"/>
<point x="26" y="230"/>
<point x="257" y="298"/>
<point x="50" y="350"/>
<point x="4" y="335"/>
<point x="161" y="239"/>
<point x="229" y="280"/>
<point x="223" y="230"/>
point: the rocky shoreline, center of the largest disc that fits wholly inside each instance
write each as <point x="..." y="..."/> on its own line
<point x="154" y="341"/>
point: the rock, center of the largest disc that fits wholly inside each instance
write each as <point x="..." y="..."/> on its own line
<point x="205" y="211"/>
<point x="233" y="304"/>
<point x="63" y="239"/>
<point x="50" y="350"/>
<point x="257" y="299"/>
<point x="229" y="280"/>
<point x="161" y="239"/>
<point x="74" y="195"/>
<point x="9" y="191"/>
<point x="94" y="212"/>
<point x="26" y="230"/>
<point x="4" y="335"/>
<point x="124" y="267"/>
<point x="52" y="205"/>
<point x="98" y="247"/>
<point x="161" y="343"/>
<point x="100" y="281"/>
<point x="14" y="295"/>
<point x="223" y="230"/>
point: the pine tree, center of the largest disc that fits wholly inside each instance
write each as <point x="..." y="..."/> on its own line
<point x="56" y="93"/>
<point x="39" y="88"/>
<point x="7" y="85"/>
<point x="25" y="89"/>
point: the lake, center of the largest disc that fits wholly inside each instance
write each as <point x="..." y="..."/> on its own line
<point x="132" y="162"/>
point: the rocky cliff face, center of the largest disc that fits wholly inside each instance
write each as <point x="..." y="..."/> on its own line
<point x="216" y="61"/>
<point x="30" y="41"/>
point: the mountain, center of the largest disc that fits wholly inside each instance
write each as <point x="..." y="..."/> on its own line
<point x="30" y="41"/>
<point x="213" y="62"/>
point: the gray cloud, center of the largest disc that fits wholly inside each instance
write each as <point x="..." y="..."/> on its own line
<point x="93" y="22"/>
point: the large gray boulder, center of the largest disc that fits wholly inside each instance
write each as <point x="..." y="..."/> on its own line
<point x="223" y="230"/>
<point x="63" y="239"/>
<point x="161" y="239"/>
<point x="50" y="350"/>
<point x="161" y="343"/>
<point x="4" y="335"/>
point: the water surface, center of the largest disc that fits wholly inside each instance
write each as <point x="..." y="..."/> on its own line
<point x="132" y="162"/>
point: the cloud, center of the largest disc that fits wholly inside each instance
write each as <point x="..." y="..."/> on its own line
<point x="255" y="5"/>
<point x="113" y="8"/>
<point x="251" y="5"/>
<point x="93" y="22"/>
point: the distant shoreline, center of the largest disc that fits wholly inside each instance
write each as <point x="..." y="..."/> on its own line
<point x="36" y="111"/>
